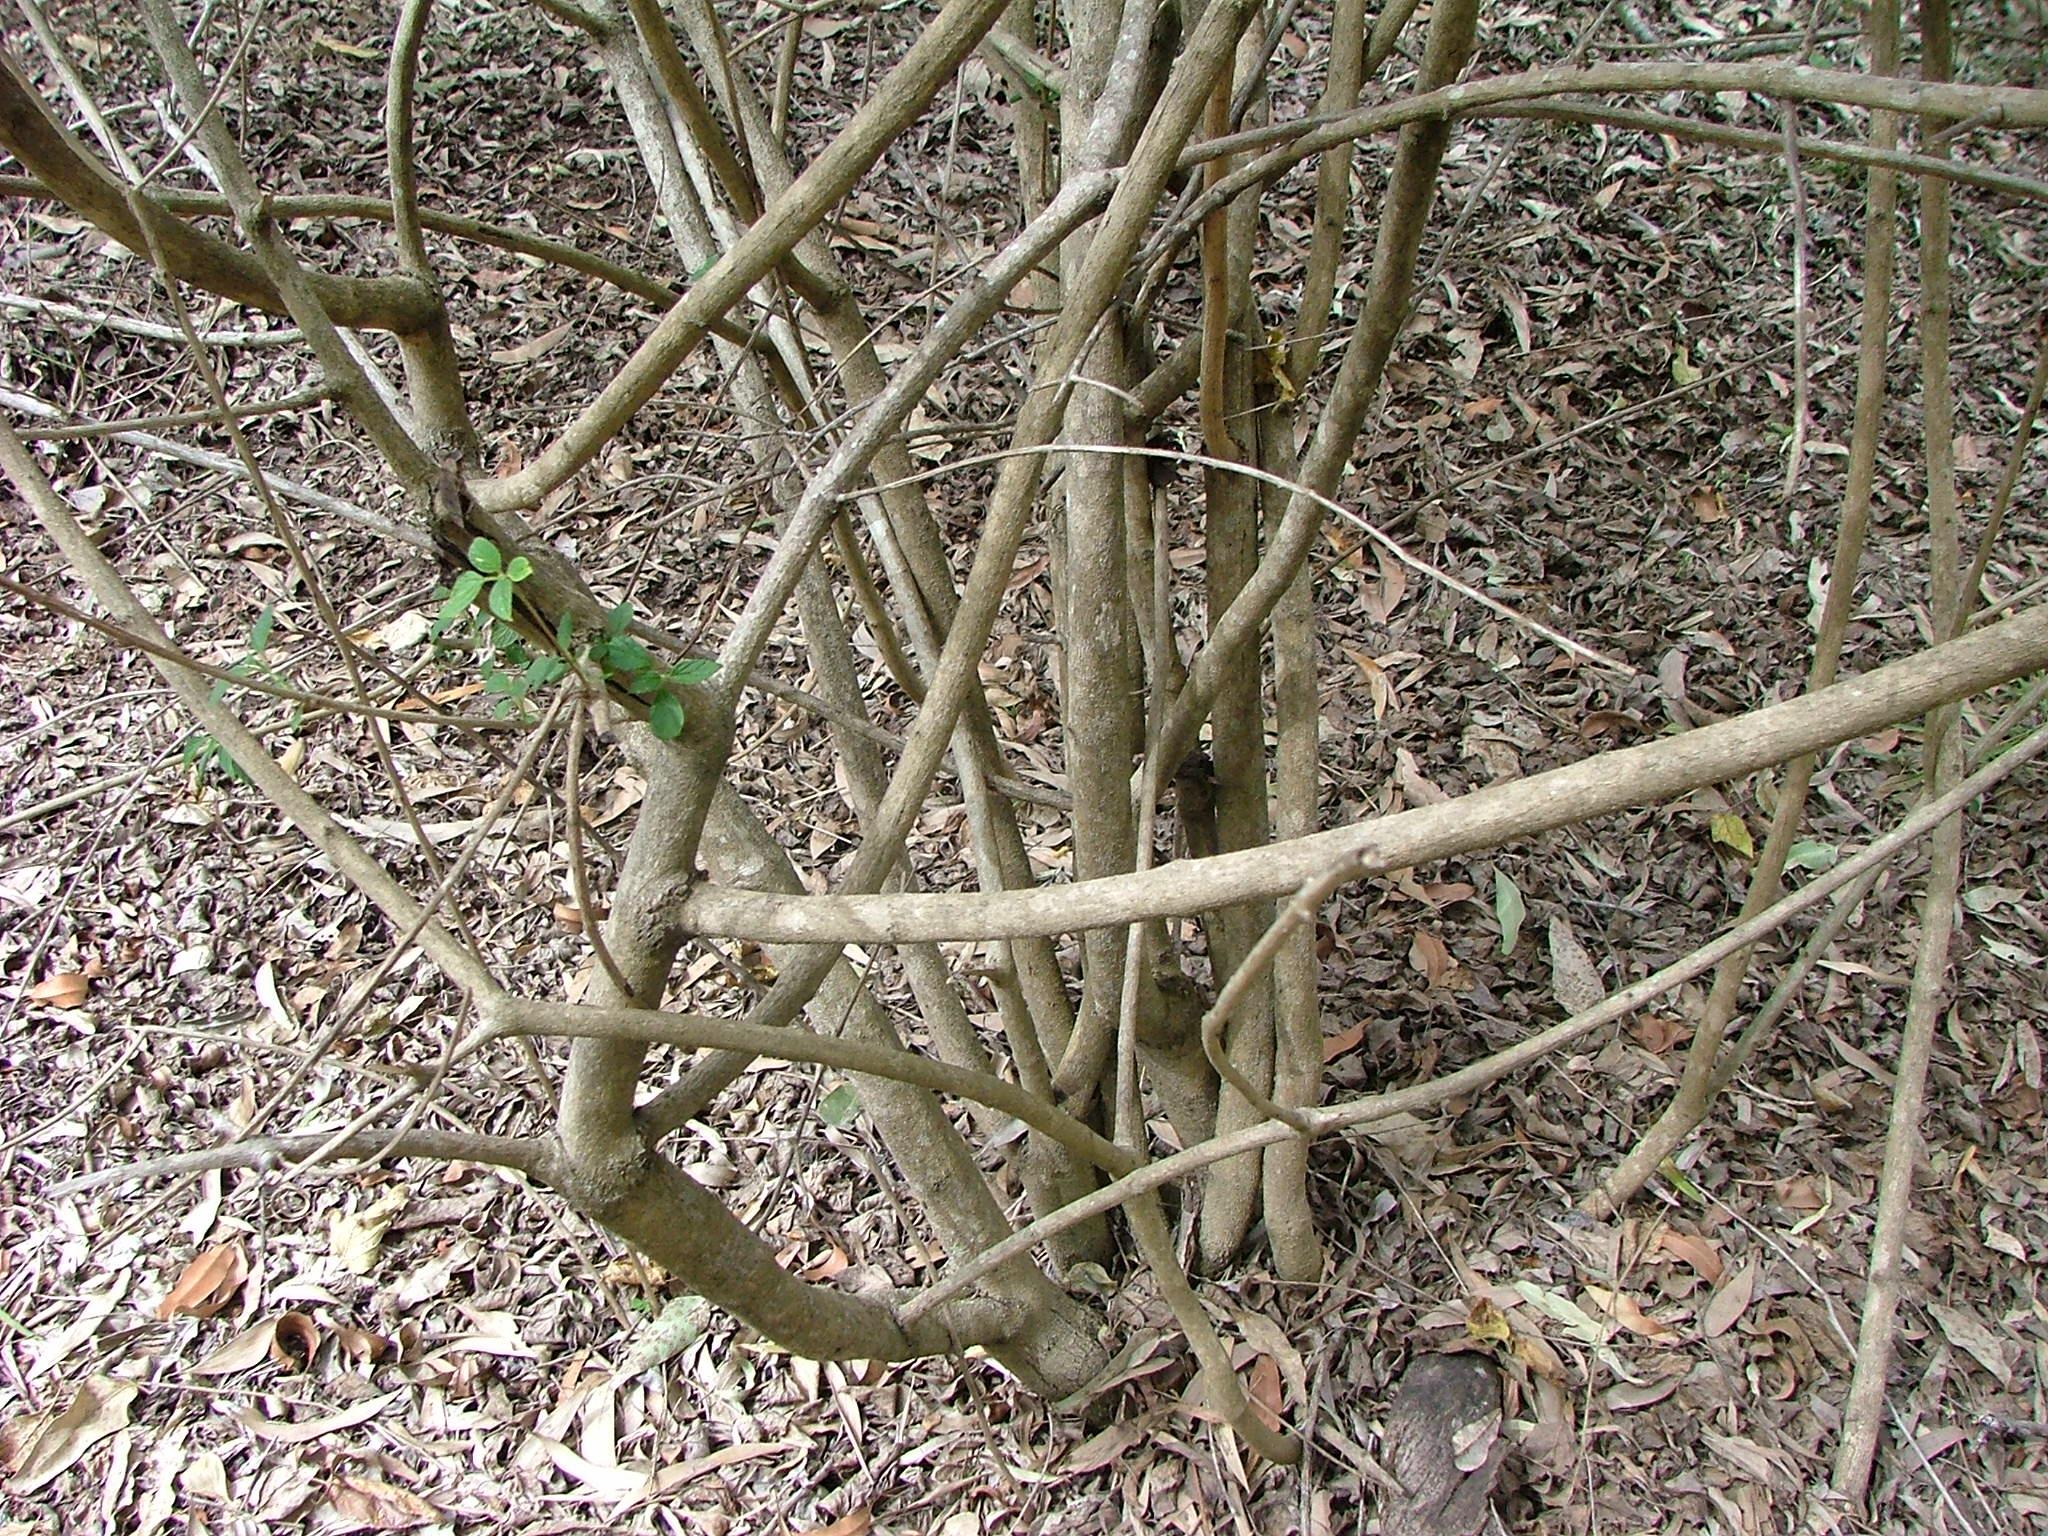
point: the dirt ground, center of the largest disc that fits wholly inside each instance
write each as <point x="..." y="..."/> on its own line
<point x="1587" y="420"/>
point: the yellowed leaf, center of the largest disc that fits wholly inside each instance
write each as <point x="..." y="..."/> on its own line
<point x="1485" y="1322"/>
<point x="356" y="1238"/>
<point x="347" y="50"/>
<point x="1730" y="831"/>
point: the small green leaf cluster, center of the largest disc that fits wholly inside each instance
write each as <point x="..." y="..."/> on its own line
<point x="512" y="670"/>
<point x="487" y="592"/>
<point x="628" y="664"/>
<point x="203" y="755"/>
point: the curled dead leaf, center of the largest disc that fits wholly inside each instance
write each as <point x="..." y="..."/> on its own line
<point x="208" y="1283"/>
<point x="294" y="1340"/>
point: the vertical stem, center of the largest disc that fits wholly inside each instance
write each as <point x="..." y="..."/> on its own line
<point x="1863" y="1412"/>
<point x="1689" y="1105"/>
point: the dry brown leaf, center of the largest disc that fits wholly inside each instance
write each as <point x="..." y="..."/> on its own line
<point x="363" y="1346"/>
<point x="1574" y="978"/>
<point x="1973" y="1337"/>
<point x="1727" y="1305"/>
<point x="1659" y="1032"/>
<point x="529" y="351"/>
<point x="1535" y="1353"/>
<point x="1628" y="1312"/>
<point x="99" y="1409"/>
<point x="1381" y="599"/>
<point x="1263" y="1390"/>
<point x="1626" y="1395"/>
<point x="1099" y="1450"/>
<point x="372" y="1504"/>
<point x="61" y="989"/>
<point x="1336" y="1045"/>
<point x="1698" y="1252"/>
<point x="1429" y="955"/>
<point x="1708" y="505"/>
<point x="312" y="1429"/>
<point x="248" y="1348"/>
<point x="855" y="1522"/>
<point x="208" y="1284"/>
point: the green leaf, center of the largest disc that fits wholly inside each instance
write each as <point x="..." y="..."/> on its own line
<point x="484" y="555"/>
<point x="543" y="670"/>
<point x="462" y="594"/>
<point x="259" y="636"/>
<point x="841" y="1107"/>
<point x="617" y="620"/>
<point x="1808" y="854"/>
<point x="510" y="684"/>
<point x="501" y="598"/>
<point x="668" y="1335"/>
<point x="1683" y="373"/>
<point x="665" y="719"/>
<point x="565" y="641"/>
<point x="684" y="673"/>
<point x="647" y="683"/>
<point x="519" y="569"/>
<point x="626" y="655"/>
<point x="1508" y="909"/>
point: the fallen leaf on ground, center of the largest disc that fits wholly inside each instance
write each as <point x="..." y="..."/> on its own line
<point x="208" y="1284"/>
<point x="99" y="1409"/>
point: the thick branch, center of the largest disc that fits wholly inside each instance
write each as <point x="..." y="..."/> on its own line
<point x="1485" y="818"/>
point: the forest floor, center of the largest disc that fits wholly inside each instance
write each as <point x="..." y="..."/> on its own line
<point x="1587" y="420"/>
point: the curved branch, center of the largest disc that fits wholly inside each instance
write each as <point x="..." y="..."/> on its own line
<point x="1486" y="818"/>
<point x="523" y="1016"/>
<point x="900" y="98"/>
<point x="77" y="178"/>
